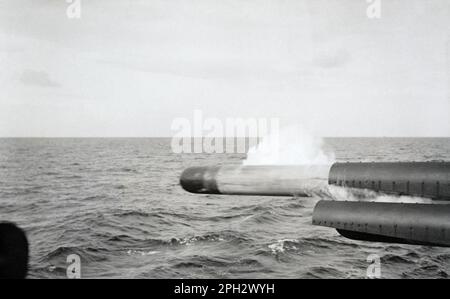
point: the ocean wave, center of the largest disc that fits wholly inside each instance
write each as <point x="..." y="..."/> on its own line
<point x="427" y="271"/>
<point x="141" y="252"/>
<point x="283" y="245"/>
<point x="233" y="238"/>
<point x="321" y="272"/>
<point x="329" y="243"/>
<point x="200" y="262"/>
<point x="135" y="213"/>
<point x="396" y="259"/>
<point x="87" y="254"/>
<point x="265" y="217"/>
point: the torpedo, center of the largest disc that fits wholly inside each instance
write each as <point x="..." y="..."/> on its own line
<point x="253" y="180"/>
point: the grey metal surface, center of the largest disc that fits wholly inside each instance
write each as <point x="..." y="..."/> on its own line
<point x="200" y="180"/>
<point x="426" y="224"/>
<point x="271" y="180"/>
<point x="424" y="179"/>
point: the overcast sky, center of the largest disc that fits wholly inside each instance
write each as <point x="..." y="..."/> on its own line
<point x="128" y="68"/>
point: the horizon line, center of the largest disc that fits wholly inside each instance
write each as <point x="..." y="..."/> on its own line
<point x="209" y="137"/>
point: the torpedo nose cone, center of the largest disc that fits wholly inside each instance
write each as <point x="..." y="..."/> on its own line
<point x="200" y="180"/>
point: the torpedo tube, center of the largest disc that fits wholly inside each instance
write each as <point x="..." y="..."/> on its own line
<point x="422" y="179"/>
<point x="418" y="224"/>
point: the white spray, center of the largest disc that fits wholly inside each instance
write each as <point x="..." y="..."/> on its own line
<point x="292" y="145"/>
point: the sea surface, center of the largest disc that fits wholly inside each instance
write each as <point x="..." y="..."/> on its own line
<point x="117" y="204"/>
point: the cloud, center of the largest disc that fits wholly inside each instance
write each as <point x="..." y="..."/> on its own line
<point x="37" y="78"/>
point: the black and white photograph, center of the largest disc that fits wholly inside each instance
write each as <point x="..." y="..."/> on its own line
<point x="223" y="146"/>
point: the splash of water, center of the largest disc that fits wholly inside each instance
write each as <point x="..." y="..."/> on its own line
<point x="296" y="146"/>
<point x="352" y="194"/>
<point x="292" y="145"/>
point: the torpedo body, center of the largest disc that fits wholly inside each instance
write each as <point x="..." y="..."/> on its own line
<point x="254" y="180"/>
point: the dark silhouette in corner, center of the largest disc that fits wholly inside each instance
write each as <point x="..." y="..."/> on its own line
<point x="13" y="252"/>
